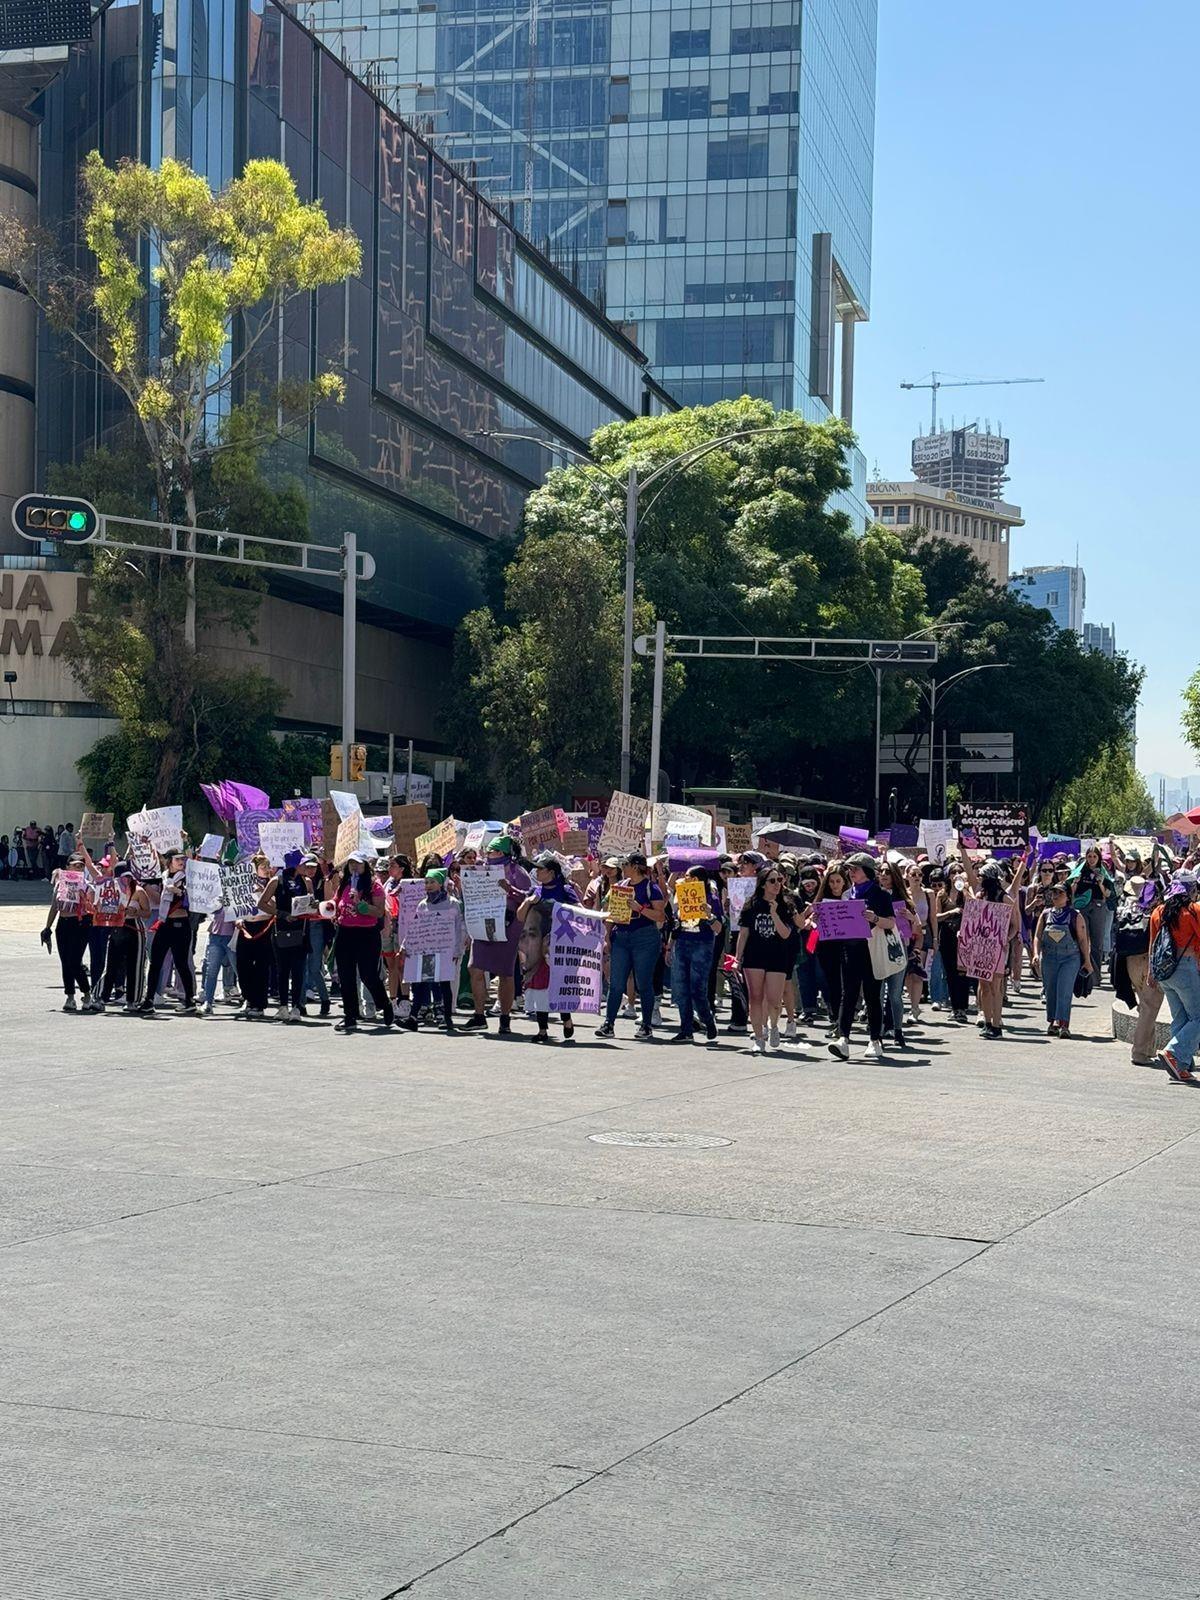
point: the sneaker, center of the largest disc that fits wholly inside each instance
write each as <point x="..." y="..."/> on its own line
<point x="1052" y="1030"/>
<point x="506" y="1025"/>
<point x="325" y="1008"/>
<point x="232" y="997"/>
<point x="403" y="1009"/>
<point x="738" y="1032"/>
<point x="604" y="1031"/>
<point x="568" y="1028"/>
<point x="656" y="1016"/>
<point x="69" y="1003"/>
<point x="294" y="1014"/>
<point x="756" y="1045"/>
<point x="476" y="1021"/>
<point x="791" y="1033"/>
<point x="629" y="1011"/>
<point x="345" y="1027"/>
<point x="241" y="1014"/>
<point x="873" y="1050"/>
<point x="773" y="1037"/>
<point x="98" y="1006"/>
<point x="189" y="1009"/>
<point x="1064" y="1030"/>
<point x="1180" y="1073"/>
<point x="959" y="1016"/>
<point x="840" y="1048"/>
<point x="993" y="1033"/>
<point x="256" y="1014"/>
<point x="643" y="1033"/>
<point x="710" y="1040"/>
<point x="207" y="1009"/>
<point x="682" y="1037"/>
<point x="448" y="1025"/>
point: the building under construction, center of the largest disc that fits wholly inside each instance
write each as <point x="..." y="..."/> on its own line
<point x="963" y="459"/>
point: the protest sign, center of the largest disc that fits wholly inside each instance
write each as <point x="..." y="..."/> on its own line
<point x="624" y="825"/>
<point x="829" y="845"/>
<point x="983" y="938"/>
<point x="142" y="858"/>
<point x="347" y="840"/>
<point x="431" y="948"/>
<point x="1056" y="847"/>
<point x="680" y="857"/>
<point x="329" y="827"/>
<point x="474" y="837"/>
<point x="842" y="919"/>
<point x="439" y="841"/>
<point x="620" y="904"/>
<point x="904" y="836"/>
<point x="240" y="889"/>
<point x="96" y="827"/>
<point x="110" y="902"/>
<point x="576" y="958"/>
<point x="307" y="812"/>
<point x="852" y="839"/>
<point x="247" y="823"/>
<point x="211" y="846"/>
<point x="757" y="824"/>
<point x="903" y="925"/>
<point x="740" y="890"/>
<point x="303" y="905"/>
<point x="485" y="902"/>
<point x="539" y="830"/>
<point x="275" y="839"/>
<point x="737" y="837"/>
<point x="203" y="880"/>
<point x="408" y="897"/>
<point x="691" y="900"/>
<point x="68" y="888"/>
<point x="408" y="823"/>
<point x="163" y="826"/>
<point x="999" y="823"/>
<point x="680" y="822"/>
<point x="575" y="842"/>
<point x="936" y="836"/>
<point x="344" y="804"/>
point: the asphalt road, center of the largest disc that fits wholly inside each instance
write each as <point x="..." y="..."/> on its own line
<point x="288" y="1314"/>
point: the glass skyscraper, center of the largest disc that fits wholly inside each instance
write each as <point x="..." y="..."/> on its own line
<point x="702" y="170"/>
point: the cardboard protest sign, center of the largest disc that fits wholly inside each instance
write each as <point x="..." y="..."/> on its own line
<point x="430" y="944"/>
<point x="439" y="841"/>
<point x="203" y="879"/>
<point x="163" y="826"/>
<point x="691" y="900"/>
<point x="539" y="830"/>
<point x="842" y="919"/>
<point x="240" y="889"/>
<point x="680" y="822"/>
<point x="143" y="858"/>
<point x="983" y="937"/>
<point x="620" y="904"/>
<point x="994" y="824"/>
<point x="408" y="897"/>
<point x="575" y="842"/>
<point x="211" y="846"/>
<point x="275" y="839"/>
<point x="624" y="825"/>
<point x="485" y="902"/>
<point x="408" y="823"/>
<point x="576" y="960"/>
<point x="757" y="824"/>
<point x="346" y="842"/>
<point x="96" y="827"/>
<point x="936" y="836"/>
<point x="329" y="827"/>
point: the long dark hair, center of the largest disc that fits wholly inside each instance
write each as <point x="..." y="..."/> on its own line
<point x="758" y="901"/>
<point x="365" y="882"/>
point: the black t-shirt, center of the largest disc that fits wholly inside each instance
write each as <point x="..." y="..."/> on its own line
<point x="877" y="900"/>
<point x="764" y="947"/>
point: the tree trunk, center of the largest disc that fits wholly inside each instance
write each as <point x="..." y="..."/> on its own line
<point x="189" y="502"/>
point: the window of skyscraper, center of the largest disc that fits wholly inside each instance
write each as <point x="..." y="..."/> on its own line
<point x="689" y="42"/>
<point x="756" y="41"/>
<point x="903" y="513"/>
<point x="618" y="221"/>
<point x="742" y="155"/>
<point x="679" y="104"/>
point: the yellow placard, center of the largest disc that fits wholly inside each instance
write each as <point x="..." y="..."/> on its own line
<point x="620" y="904"/>
<point x="691" y="900"/>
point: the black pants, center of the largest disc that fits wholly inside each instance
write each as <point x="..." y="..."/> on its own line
<point x="356" y="954"/>
<point x="174" y="938"/>
<point x="289" y="966"/>
<point x="858" y="979"/>
<point x="70" y="937"/>
<point x="959" y="987"/>
<point x="97" y="949"/>
<point x="126" y="964"/>
<point x="254" y="959"/>
<point x="432" y="994"/>
<point x="829" y="954"/>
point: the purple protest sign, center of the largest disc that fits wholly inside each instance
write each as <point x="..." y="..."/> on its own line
<point x="594" y="827"/>
<point x="1054" y="847"/>
<point x="903" y="925"/>
<point x="883" y="840"/>
<point x="842" y="919"/>
<point x="983" y="938"/>
<point x="576" y="960"/>
<point x="681" y="857"/>
<point x="854" y="838"/>
<point x="307" y="811"/>
<point x="247" y="824"/>
<point x="904" y="836"/>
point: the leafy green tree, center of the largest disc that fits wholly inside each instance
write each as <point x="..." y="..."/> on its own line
<point x="1109" y="797"/>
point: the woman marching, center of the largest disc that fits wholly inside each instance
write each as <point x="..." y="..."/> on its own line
<point x="893" y="884"/>
<point x="497" y="958"/>
<point x="858" y="975"/>
<point x="70" y="917"/>
<point x="172" y="937"/>
<point x="359" y="910"/>
<point x="693" y="952"/>
<point x="551" y="889"/>
<point x="766" y="953"/>
<point x="1180" y="916"/>
<point x="1061" y="948"/>
<point x="989" y="885"/>
<point x="914" y="978"/>
<point x="636" y="943"/>
<point x="290" y="934"/>
<point x="1095" y="894"/>
<point x="834" y="885"/>
<point x="947" y="910"/>
<point x="429" y="991"/>
<point x="252" y="954"/>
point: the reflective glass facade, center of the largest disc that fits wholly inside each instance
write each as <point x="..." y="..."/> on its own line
<point x="454" y="330"/>
<point x="703" y="169"/>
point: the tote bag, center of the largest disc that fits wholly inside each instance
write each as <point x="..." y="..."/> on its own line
<point x="887" y="952"/>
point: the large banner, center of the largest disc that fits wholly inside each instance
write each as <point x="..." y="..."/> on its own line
<point x="999" y="825"/>
<point x="983" y="938"/>
<point x="484" y="902"/>
<point x="576" y="959"/>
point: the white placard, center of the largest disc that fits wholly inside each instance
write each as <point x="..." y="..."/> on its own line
<point x="203" y="886"/>
<point x="163" y="826"/>
<point x="211" y="847"/>
<point x="936" y="835"/>
<point x="344" y="804"/>
<point x="485" y="902"/>
<point x="275" y="839"/>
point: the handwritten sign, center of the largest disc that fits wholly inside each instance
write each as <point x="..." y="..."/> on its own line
<point x="409" y="822"/>
<point x="439" y="841"/>
<point x="575" y="842"/>
<point x="307" y="812"/>
<point x="983" y="938"/>
<point x="539" y="830"/>
<point x="164" y="828"/>
<point x="620" y="904"/>
<point x="999" y="824"/>
<point x="247" y="824"/>
<point x="68" y="889"/>
<point x="431" y="946"/>
<point x="842" y="919"/>
<point x="96" y="825"/>
<point x="240" y="889"/>
<point x="737" y="837"/>
<point x="347" y="841"/>
<point x="275" y="839"/>
<point x="936" y="835"/>
<point x="211" y="846"/>
<point x="624" y="825"/>
<point x="485" y="903"/>
<point x="691" y="899"/>
<point x="680" y="822"/>
<point x="203" y="880"/>
<point x="408" y="897"/>
<point x="576" y="959"/>
<point x="143" y="858"/>
<point x="740" y="891"/>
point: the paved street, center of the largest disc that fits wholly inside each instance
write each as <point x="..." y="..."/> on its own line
<point x="293" y="1315"/>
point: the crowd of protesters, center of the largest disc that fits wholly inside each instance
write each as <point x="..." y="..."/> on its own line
<point x="752" y="954"/>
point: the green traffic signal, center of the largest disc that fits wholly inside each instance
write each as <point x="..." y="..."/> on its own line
<point x="55" y="519"/>
<point x="77" y="521"/>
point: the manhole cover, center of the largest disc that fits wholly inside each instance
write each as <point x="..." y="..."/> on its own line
<point x="662" y="1141"/>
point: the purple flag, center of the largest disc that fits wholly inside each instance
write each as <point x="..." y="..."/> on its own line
<point x="681" y="857"/>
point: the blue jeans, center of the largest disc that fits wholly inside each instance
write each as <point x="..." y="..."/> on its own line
<point x="939" y="989"/>
<point x="1182" y="990"/>
<point x="314" y="969"/>
<point x="1060" y="967"/>
<point x="634" y="950"/>
<point x="216" y="957"/>
<point x="892" y="997"/>
<point x="691" y="964"/>
<point x="808" y="984"/>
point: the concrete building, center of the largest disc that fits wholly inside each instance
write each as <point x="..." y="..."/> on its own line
<point x="703" y="169"/>
<point x="1100" y="636"/>
<point x="963" y="459"/>
<point x="983" y="526"/>
<point x="1061" y="590"/>
<point x="458" y="330"/>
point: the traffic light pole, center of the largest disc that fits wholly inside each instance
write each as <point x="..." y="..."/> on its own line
<point x="32" y="516"/>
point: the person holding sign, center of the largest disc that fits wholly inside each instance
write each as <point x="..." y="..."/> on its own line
<point x="696" y="934"/>
<point x="858" y="975"/>
<point x="534" y="914"/>
<point x="253" y="951"/>
<point x="497" y="958"/>
<point x="433" y="946"/>
<point x="359" y="910"/>
<point x="766" y="953"/>
<point x="834" y="885"/>
<point x="71" y="910"/>
<point x="636" y="943"/>
<point x="289" y="938"/>
<point x="172" y="937"/>
<point x="125" y="965"/>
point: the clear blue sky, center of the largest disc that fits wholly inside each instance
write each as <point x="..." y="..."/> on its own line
<point x="1036" y="215"/>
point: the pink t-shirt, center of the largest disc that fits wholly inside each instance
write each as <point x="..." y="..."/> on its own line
<point x="348" y="898"/>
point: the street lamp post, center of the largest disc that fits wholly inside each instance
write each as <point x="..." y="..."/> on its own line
<point x="634" y="488"/>
<point x="984" y="666"/>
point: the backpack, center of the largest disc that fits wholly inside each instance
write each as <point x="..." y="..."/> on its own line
<point x="1164" y="957"/>
<point x="1132" y="935"/>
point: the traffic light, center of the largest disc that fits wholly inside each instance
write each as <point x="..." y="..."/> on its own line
<point x="358" y="763"/>
<point x="55" y="517"/>
<point x="335" y="761"/>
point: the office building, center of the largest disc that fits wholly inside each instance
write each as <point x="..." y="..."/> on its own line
<point x="456" y="329"/>
<point x="703" y="170"/>
<point x="1100" y="636"/>
<point x="964" y="459"/>
<point x="1062" y="591"/>
<point x="982" y="525"/>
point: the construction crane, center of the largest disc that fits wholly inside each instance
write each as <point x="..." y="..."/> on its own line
<point x="959" y="383"/>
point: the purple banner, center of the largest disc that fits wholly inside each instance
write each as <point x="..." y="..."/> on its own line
<point x="1056" y="847"/>
<point x="854" y="838"/>
<point x="681" y="857"/>
<point x="903" y="836"/>
<point x="576" y="960"/>
<point x="247" y="824"/>
<point x="842" y="919"/>
<point x="903" y="925"/>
